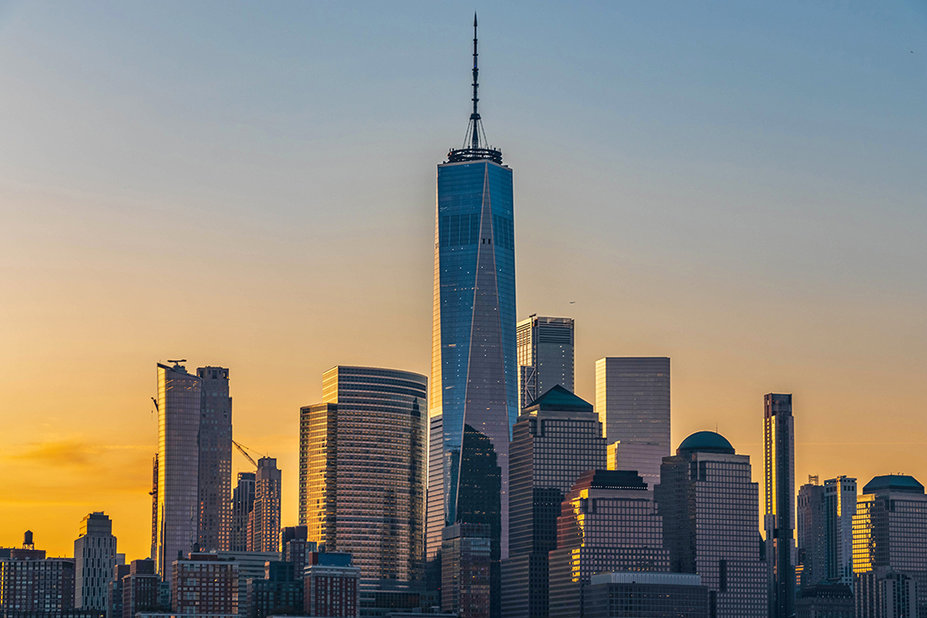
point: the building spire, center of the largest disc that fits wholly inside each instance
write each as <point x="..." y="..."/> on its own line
<point x="475" y="145"/>
<point x="475" y="116"/>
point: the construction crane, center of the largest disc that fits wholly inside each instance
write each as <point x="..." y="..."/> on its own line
<point x="242" y="450"/>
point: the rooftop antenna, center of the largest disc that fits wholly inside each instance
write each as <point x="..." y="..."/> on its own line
<point x="475" y="116"/>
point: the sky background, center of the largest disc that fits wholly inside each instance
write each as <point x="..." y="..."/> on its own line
<point x="740" y="186"/>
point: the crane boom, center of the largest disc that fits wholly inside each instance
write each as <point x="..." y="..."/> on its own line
<point x="245" y="453"/>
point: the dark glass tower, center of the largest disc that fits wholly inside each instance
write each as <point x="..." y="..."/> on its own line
<point x="474" y="380"/>
<point x="779" y="442"/>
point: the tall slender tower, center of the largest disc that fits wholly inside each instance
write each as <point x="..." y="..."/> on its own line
<point x="779" y="434"/>
<point x="215" y="461"/>
<point x="545" y="357"/>
<point x="265" y="513"/>
<point x="178" y="464"/>
<point x="474" y="379"/>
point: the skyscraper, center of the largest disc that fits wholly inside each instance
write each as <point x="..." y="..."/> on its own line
<point x="779" y="450"/>
<point x="264" y="521"/>
<point x="890" y="534"/>
<point x="242" y="503"/>
<point x="632" y="397"/>
<point x="94" y="561"/>
<point x="710" y="508"/>
<point x="362" y="472"/>
<point x="215" y="459"/>
<point x="178" y="464"/>
<point x="545" y="356"/>
<point x="839" y="509"/>
<point x="555" y="441"/>
<point x="474" y="374"/>
<point x="608" y="522"/>
<point x="811" y="533"/>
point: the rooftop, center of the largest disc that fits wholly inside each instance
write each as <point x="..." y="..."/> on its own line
<point x="706" y="441"/>
<point x="559" y="398"/>
<point x="894" y="482"/>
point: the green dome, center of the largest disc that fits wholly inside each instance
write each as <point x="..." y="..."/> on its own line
<point x="706" y="441"/>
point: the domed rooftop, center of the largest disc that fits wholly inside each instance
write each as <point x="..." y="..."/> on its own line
<point x="706" y="442"/>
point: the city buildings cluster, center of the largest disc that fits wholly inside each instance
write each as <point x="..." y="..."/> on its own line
<point x="490" y="489"/>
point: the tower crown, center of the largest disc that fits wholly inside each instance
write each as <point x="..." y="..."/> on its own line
<point x="475" y="145"/>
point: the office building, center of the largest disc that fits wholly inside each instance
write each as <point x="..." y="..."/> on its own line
<point x="474" y="374"/>
<point x="33" y="585"/>
<point x="215" y="459"/>
<point x="839" y="509"/>
<point x="646" y="595"/>
<point x="331" y="586"/>
<point x="884" y="593"/>
<point x="824" y="601"/>
<point x="779" y="460"/>
<point x="204" y="584"/>
<point x="890" y="532"/>
<point x="296" y="548"/>
<point x="632" y="397"/>
<point x="250" y="565"/>
<point x="114" y="591"/>
<point x="362" y="474"/>
<point x="242" y="503"/>
<point x="811" y="534"/>
<point x="555" y="441"/>
<point x="466" y="570"/>
<point x="280" y="592"/>
<point x="545" y="356"/>
<point x="608" y="522"/>
<point x="178" y="464"/>
<point x="264" y="520"/>
<point x="140" y="587"/>
<point x="710" y="510"/>
<point x="94" y="560"/>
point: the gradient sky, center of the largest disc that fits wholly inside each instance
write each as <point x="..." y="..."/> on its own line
<point x="738" y="185"/>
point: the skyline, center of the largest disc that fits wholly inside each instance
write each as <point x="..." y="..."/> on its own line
<point x="100" y="245"/>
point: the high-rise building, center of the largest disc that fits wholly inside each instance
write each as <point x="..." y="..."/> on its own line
<point x="178" y="464"/>
<point x="811" y="530"/>
<point x="825" y="601"/>
<point x="779" y="451"/>
<point x="632" y="397"/>
<point x="710" y="509"/>
<point x="890" y="532"/>
<point x="884" y="593"/>
<point x="839" y="509"/>
<point x="608" y="522"/>
<point x="242" y="503"/>
<point x="250" y="565"/>
<point x="646" y="595"/>
<point x="114" y="603"/>
<point x="204" y="584"/>
<point x="362" y="473"/>
<point x="94" y="560"/>
<point x="545" y="356"/>
<point x="280" y="592"/>
<point x="264" y="521"/>
<point x="215" y="459"/>
<point x="474" y="375"/>
<point x="555" y="441"/>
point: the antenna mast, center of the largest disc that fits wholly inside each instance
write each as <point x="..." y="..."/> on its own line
<point x="475" y="116"/>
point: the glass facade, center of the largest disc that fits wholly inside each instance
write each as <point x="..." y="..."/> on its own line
<point x="710" y="509"/>
<point x="545" y="356"/>
<point x="779" y="468"/>
<point x="474" y="369"/>
<point x="362" y="471"/>
<point x="632" y="397"/>
<point x="264" y="519"/>
<point x="890" y="531"/>
<point x="215" y="459"/>
<point x="178" y="464"/>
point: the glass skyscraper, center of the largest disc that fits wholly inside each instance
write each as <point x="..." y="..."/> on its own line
<point x="632" y="397"/>
<point x="779" y="462"/>
<point x="474" y="378"/>
<point x="362" y="472"/>
<point x="545" y="356"/>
